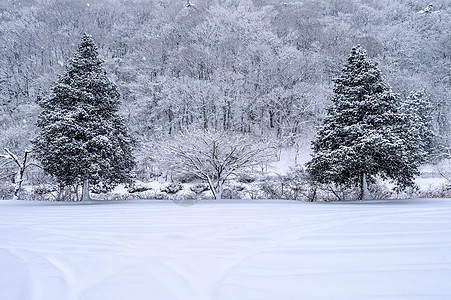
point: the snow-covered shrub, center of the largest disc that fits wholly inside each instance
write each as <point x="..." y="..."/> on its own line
<point x="147" y="195"/>
<point x="443" y="191"/>
<point x="183" y="195"/>
<point x="272" y="189"/>
<point x="50" y="192"/>
<point x="207" y="195"/>
<point x="146" y="168"/>
<point x="6" y="190"/>
<point x="109" y="196"/>
<point x="172" y="188"/>
<point x="138" y="187"/>
<point x="332" y="192"/>
<point x="183" y="178"/>
<point x="254" y="191"/>
<point x="379" y="190"/>
<point x="199" y="188"/>
<point x="43" y="189"/>
<point x="99" y="189"/>
<point x="246" y="177"/>
<point x="295" y="184"/>
<point x="231" y="192"/>
<point x="158" y="196"/>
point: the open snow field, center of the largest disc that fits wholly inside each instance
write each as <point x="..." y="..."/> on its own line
<point x="226" y="250"/>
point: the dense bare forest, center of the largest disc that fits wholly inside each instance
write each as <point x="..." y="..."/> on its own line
<point x="259" y="67"/>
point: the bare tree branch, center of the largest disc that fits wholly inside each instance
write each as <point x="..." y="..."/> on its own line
<point x="215" y="155"/>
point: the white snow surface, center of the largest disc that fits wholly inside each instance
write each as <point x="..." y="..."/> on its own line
<point x="147" y="249"/>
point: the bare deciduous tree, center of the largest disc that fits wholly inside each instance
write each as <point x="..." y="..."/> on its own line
<point x="214" y="156"/>
<point x="21" y="166"/>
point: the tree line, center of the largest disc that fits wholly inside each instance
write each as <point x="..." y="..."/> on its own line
<point x="263" y="67"/>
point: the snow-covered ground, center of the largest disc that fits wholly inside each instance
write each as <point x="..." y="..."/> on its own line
<point x="395" y="249"/>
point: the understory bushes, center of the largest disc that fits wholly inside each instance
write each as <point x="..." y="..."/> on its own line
<point x="295" y="185"/>
<point x="6" y="190"/>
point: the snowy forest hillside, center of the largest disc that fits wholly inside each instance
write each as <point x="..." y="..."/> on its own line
<point x="258" y="67"/>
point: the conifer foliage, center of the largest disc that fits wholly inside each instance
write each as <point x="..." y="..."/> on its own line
<point x="82" y="137"/>
<point x="366" y="132"/>
<point x="418" y="106"/>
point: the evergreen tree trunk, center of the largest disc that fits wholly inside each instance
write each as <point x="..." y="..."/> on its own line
<point x="85" y="191"/>
<point x="364" y="192"/>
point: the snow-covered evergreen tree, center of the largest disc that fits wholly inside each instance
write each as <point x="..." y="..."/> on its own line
<point x="366" y="133"/>
<point x="420" y="109"/>
<point x="82" y="137"/>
